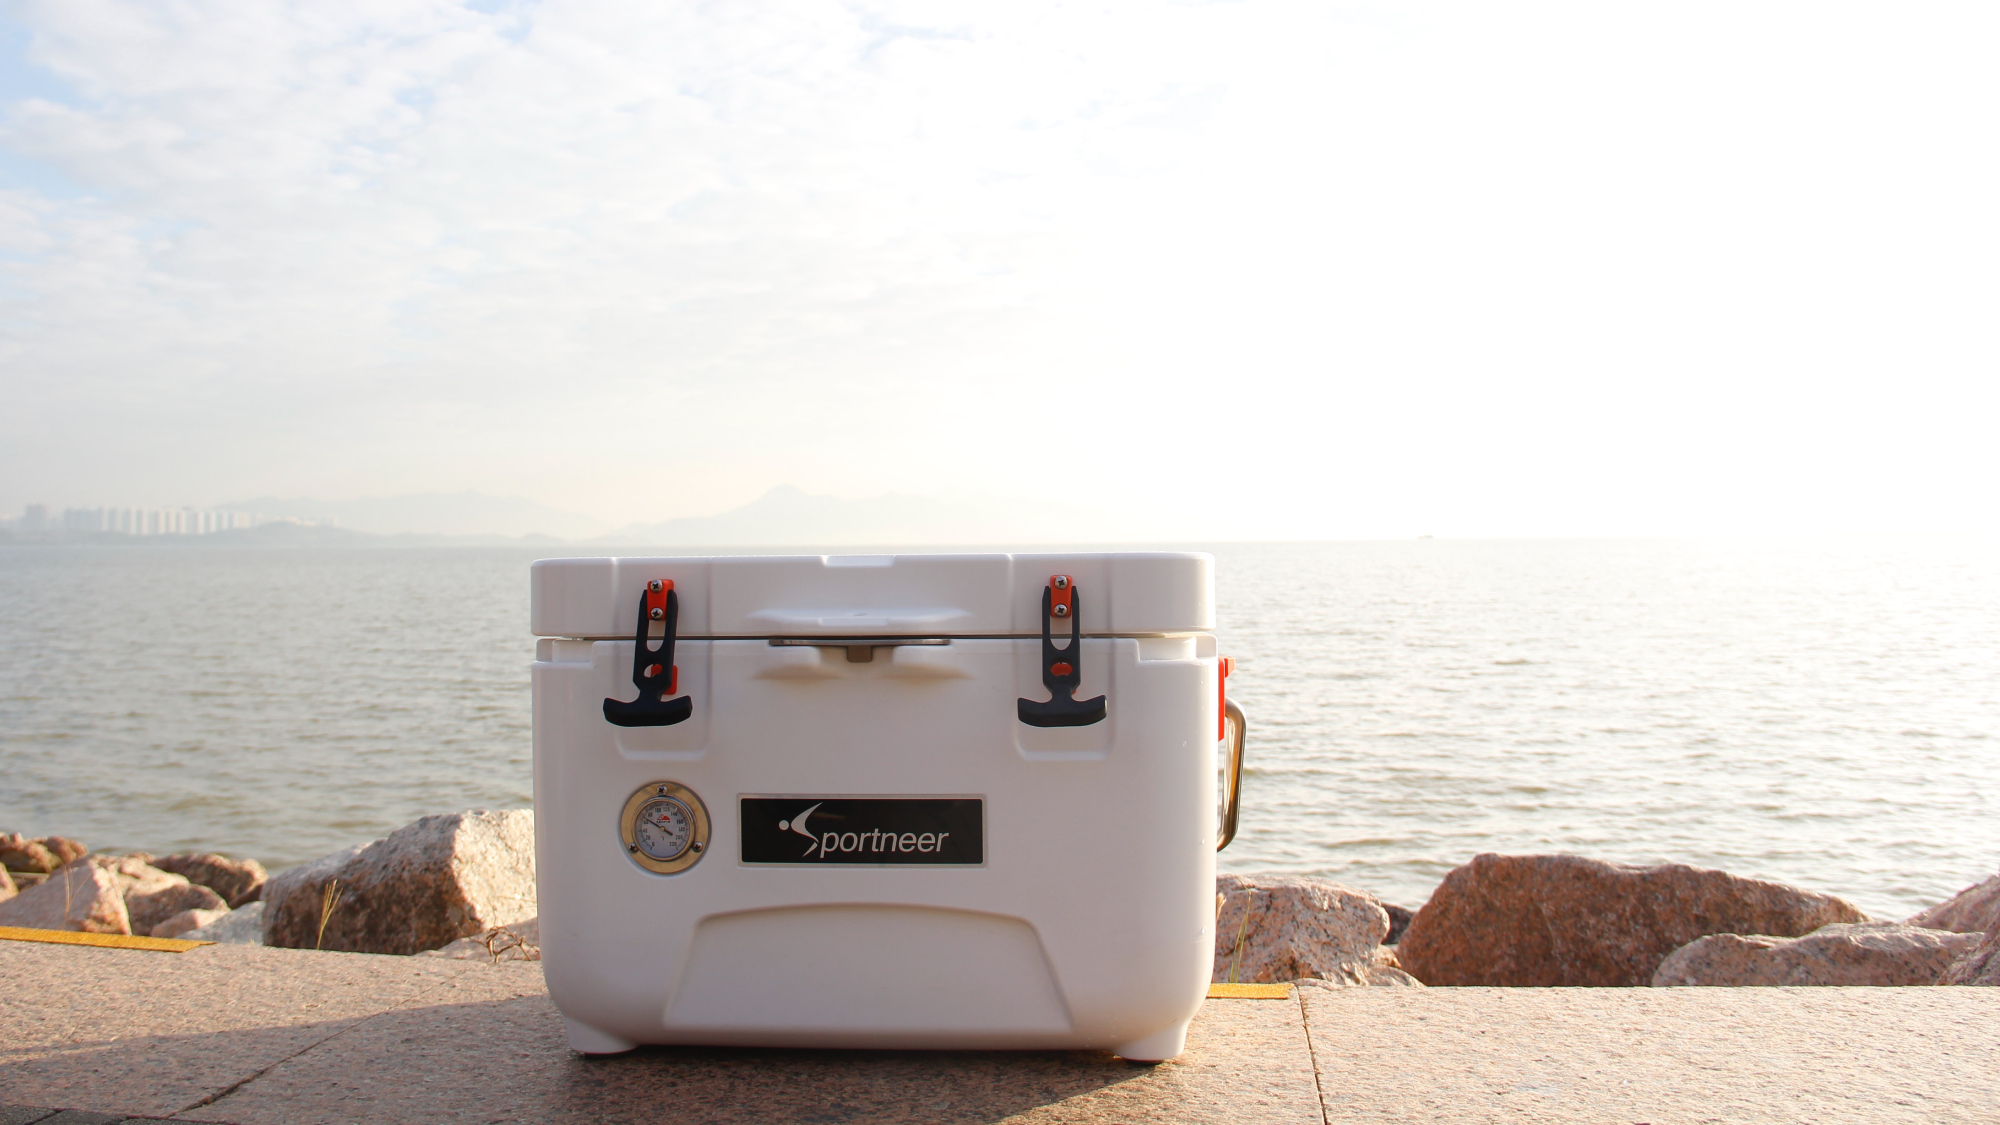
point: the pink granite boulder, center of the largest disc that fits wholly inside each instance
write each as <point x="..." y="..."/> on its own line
<point x="6" y="885"/>
<point x="134" y="875"/>
<point x="18" y="853"/>
<point x="1276" y="928"/>
<point x="188" y="921"/>
<point x="79" y="896"/>
<point x="1980" y="966"/>
<point x="1563" y="920"/>
<point x="66" y="850"/>
<point x="1859" y="953"/>
<point x="1974" y="910"/>
<point x="426" y="885"/>
<point x="238" y="881"/>
<point x="150" y="909"/>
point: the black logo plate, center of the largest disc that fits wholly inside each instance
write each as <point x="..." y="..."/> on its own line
<point x="864" y="831"/>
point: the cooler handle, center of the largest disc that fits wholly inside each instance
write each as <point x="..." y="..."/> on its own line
<point x="1232" y="718"/>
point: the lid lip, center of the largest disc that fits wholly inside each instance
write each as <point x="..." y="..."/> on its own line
<point x="898" y="555"/>
<point x="838" y="639"/>
<point x="1154" y="593"/>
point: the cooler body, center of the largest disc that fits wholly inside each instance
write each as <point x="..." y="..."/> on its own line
<point x="880" y="844"/>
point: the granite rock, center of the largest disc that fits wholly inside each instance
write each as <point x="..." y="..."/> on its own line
<point x="238" y="881"/>
<point x="1980" y="966"/>
<point x="136" y="877"/>
<point x="521" y="941"/>
<point x="311" y="876"/>
<point x="6" y="885"/>
<point x="1564" y="920"/>
<point x="1976" y="909"/>
<point x="78" y="896"/>
<point x="1382" y="972"/>
<point x="1399" y="922"/>
<point x="426" y="885"/>
<point x="66" y="850"/>
<point x="18" y="853"/>
<point x="237" y="927"/>
<point x="1860" y="953"/>
<point x="1388" y="970"/>
<point x="151" y="909"/>
<point x="180" y="924"/>
<point x="1275" y="928"/>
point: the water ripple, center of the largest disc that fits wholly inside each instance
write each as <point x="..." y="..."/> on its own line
<point x="1817" y="713"/>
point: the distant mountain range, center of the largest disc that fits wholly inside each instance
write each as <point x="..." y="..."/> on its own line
<point x="789" y="516"/>
<point x="431" y="513"/>
<point x="784" y="516"/>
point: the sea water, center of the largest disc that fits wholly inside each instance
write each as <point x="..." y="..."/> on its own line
<point x="1818" y="712"/>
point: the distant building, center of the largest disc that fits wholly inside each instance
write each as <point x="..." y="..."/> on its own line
<point x="138" y="521"/>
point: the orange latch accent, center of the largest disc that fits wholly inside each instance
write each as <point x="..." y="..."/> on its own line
<point x="1060" y="591"/>
<point x="1223" y="667"/>
<point x="673" y="680"/>
<point x="656" y="610"/>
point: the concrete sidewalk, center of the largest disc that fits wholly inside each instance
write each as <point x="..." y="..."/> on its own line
<point x="253" y="1035"/>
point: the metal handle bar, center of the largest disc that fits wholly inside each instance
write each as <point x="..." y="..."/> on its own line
<point x="1227" y="830"/>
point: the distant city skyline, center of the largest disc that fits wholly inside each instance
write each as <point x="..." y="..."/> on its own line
<point x="784" y="515"/>
<point x="137" y="520"/>
<point x="1262" y="269"/>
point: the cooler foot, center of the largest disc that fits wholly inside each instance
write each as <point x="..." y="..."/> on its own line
<point x="1157" y="1047"/>
<point x="588" y="1040"/>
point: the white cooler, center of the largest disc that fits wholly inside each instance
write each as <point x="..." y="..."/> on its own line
<point x="964" y="801"/>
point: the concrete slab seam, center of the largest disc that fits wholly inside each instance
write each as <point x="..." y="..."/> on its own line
<point x="447" y="977"/>
<point x="1312" y="1055"/>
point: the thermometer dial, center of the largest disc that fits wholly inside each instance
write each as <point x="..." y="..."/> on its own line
<point x="664" y="827"/>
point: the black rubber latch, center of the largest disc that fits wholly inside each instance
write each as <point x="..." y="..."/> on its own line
<point x="653" y="674"/>
<point x="1063" y="709"/>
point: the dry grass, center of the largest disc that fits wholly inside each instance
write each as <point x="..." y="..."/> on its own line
<point x="329" y="901"/>
<point x="1236" y="958"/>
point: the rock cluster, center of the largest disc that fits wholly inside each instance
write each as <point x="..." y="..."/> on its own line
<point x="422" y="887"/>
<point x="108" y="894"/>
<point x="38" y="857"/>
<point x="1273" y="928"/>
<point x="1562" y="920"/>
<point x="1863" y="953"/>
<point x="462" y="886"/>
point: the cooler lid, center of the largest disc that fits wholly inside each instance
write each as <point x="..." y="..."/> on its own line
<point x="1117" y="594"/>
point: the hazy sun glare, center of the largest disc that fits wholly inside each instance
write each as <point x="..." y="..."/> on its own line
<point x="1247" y="269"/>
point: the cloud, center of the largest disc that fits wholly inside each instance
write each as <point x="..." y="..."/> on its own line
<point x="1285" y="269"/>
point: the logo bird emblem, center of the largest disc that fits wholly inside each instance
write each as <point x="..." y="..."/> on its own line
<point x="798" y="824"/>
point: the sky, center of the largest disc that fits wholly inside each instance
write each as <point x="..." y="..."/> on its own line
<point x="1244" y="270"/>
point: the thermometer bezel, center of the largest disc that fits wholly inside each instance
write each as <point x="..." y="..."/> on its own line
<point x="698" y="826"/>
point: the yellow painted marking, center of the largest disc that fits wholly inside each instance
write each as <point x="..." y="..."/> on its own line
<point x="1249" y="991"/>
<point x="102" y="941"/>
